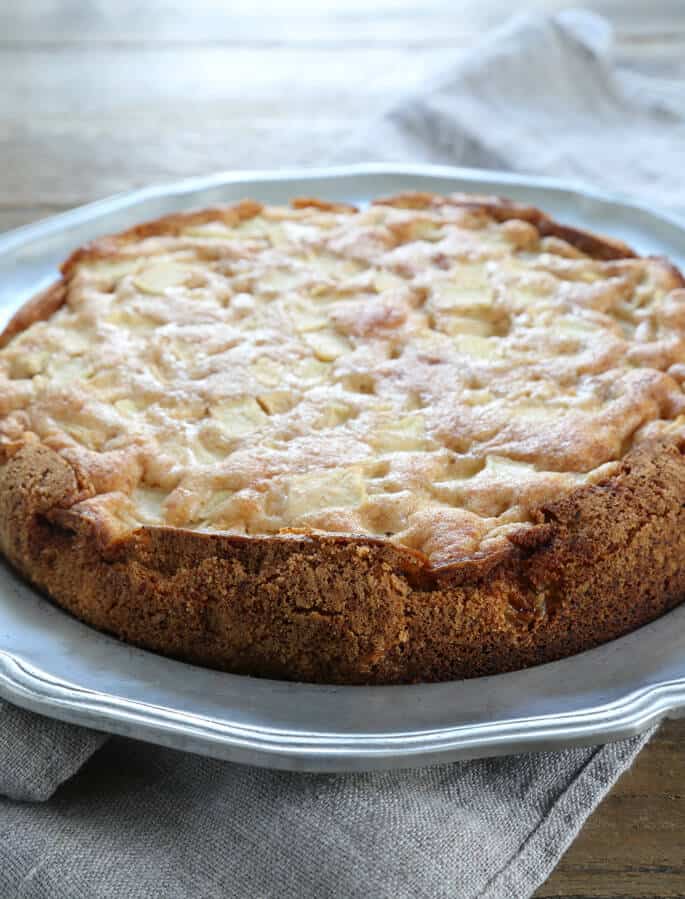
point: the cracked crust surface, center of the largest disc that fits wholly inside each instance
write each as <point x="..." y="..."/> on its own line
<point x="437" y="438"/>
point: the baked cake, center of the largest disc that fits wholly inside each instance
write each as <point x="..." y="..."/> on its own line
<point x="434" y="438"/>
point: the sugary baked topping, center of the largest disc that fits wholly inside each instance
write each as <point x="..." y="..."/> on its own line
<point x="428" y="375"/>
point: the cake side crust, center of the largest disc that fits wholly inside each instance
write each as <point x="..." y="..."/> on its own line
<point x="598" y="564"/>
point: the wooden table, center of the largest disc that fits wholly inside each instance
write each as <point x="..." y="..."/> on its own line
<point x="99" y="97"/>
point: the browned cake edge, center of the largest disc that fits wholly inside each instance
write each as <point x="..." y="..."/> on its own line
<point x="600" y="562"/>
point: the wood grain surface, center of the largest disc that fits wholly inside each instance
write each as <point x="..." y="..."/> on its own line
<point x="99" y="97"/>
<point x="634" y="844"/>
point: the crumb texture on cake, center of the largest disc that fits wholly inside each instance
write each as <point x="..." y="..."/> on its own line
<point x="427" y="371"/>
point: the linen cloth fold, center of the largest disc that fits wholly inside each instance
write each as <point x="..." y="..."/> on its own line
<point x="544" y="96"/>
<point x="540" y="95"/>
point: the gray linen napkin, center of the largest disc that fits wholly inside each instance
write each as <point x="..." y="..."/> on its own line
<point x="140" y="821"/>
<point x="543" y="95"/>
<point x="539" y="95"/>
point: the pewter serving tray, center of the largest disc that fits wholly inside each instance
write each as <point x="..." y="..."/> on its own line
<point x="53" y="664"/>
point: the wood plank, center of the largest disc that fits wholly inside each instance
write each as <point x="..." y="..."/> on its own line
<point x="41" y="86"/>
<point x="16" y="216"/>
<point x="304" y="22"/>
<point x="105" y="161"/>
<point x="634" y="843"/>
<point x="108" y="121"/>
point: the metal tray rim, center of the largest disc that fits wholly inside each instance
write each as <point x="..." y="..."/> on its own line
<point x="33" y="689"/>
<point x="124" y="199"/>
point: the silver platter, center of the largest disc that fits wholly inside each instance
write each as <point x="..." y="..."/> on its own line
<point x="53" y="664"/>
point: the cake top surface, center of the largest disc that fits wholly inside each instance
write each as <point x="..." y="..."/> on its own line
<point x="427" y="371"/>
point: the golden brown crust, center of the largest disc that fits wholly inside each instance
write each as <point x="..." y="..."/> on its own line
<point x="324" y="205"/>
<point x="169" y="224"/>
<point x="502" y="209"/>
<point x="37" y="309"/>
<point x="601" y="561"/>
<point x="331" y="609"/>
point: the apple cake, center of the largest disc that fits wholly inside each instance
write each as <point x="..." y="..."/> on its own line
<point x="432" y="438"/>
